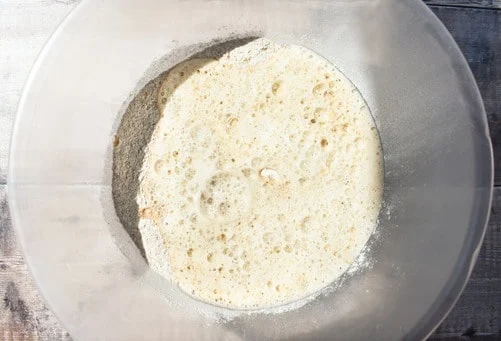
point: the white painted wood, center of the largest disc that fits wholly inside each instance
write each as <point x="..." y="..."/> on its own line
<point x="25" y="26"/>
<point x="23" y="313"/>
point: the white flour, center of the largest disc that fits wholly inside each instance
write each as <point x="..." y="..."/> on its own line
<point x="263" y="179"/>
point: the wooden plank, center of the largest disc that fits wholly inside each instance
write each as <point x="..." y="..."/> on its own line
<point x="465" y="337"/>
<point x="478" y="34"/>
<point x="23" y="314"/>
<point x="478" y="311"/>
<point x="25" y="25"/>
<point x="493" y="4"/>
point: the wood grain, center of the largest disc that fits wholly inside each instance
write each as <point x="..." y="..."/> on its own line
<point x="492" y="4"/>
<point x="478" y="311"/>
<point x="23" y="314"/>
<point x="26" y="24"/>
<point x="478" y="35"/>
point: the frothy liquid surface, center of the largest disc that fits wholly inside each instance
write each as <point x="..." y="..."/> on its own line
<point x="263" y="177"/>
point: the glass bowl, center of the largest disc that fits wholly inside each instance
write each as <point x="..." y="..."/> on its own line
<point x="438" y="167"/>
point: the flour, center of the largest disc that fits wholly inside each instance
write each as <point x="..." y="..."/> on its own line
<point x="262" y="181"/>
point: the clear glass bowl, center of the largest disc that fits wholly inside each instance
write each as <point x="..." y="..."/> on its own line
<point x="438" y="166"/>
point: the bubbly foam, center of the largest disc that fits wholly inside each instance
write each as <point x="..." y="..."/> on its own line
<point x="263" y="176"/>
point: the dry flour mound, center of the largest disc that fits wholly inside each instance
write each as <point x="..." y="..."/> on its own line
<point x="262" y="181"/>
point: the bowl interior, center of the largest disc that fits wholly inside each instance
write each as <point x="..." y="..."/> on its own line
<point x="438" y="167"/>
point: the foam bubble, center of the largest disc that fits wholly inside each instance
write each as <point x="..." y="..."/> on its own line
<point x="225" y="197"/>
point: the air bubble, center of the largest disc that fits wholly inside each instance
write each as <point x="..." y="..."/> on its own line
<point x="256" y="162"/>
<point x="159" y="166"/>
<point x="210" y="257"/>
<point x="233" y="121"/>
<point x="276" y="87"/>
<point x="318" y="111"/>
<point x="318" y="89"/>
<point x="146" y="213"/>
<point x="305" y="223"/>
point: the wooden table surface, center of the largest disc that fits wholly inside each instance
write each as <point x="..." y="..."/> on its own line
<point x="26" y="24"/>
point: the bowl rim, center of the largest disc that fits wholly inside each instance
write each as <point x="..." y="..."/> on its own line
<point x="463" y="269"/>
